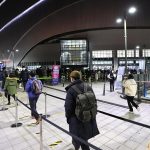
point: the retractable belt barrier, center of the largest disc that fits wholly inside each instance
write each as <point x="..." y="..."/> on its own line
<point x="72" y="135"/>
<point x="124" y="119"/>
<point x="127" y="120"/>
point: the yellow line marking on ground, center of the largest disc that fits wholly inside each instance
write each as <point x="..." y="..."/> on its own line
<point x="23" y="117"/>
<point x="55" y="143"/>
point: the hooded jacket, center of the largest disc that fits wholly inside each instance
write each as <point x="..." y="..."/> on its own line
<point x="11" y="86"/>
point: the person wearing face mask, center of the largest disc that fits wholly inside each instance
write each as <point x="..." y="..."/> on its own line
<point x="84" y="130"/>
<point x="24" y="76"/>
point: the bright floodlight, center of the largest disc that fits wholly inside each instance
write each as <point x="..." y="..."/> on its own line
<point x="132" y="10"/>
<point x="137" y="47"/>
<point x="119" y="20"/>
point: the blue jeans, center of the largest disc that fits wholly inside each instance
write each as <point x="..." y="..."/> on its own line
<point x="32" y="102"/>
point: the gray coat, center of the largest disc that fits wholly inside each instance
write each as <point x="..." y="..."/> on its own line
<point x="84" y="130"/>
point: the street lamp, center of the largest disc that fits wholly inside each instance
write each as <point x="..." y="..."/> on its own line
<point x="131" y="10"/>
<point x="12" y="54"/>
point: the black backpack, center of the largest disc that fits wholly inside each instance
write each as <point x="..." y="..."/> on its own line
<point x="86" y="104"/>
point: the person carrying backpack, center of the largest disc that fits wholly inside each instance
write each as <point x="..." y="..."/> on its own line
<point x="82" y="121"/>
<point x="34" y="89"/>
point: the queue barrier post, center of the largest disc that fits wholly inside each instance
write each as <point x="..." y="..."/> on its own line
<point x="16" y="124"/>
<point x="41" y="133"/>
<point x="104" y="86"/>
<point x="46" y="115"/>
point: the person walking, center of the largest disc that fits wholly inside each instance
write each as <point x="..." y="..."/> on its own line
<point x="33" y="97"/>
<point x="130" y="92"/>
<point x="84" y="130"/>
<point x="11" y="86"/>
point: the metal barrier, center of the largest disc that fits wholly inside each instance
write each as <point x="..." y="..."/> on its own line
<point x="46" y="115"/>
<point x="16" y="124"/>
<point x="65" y="131"/>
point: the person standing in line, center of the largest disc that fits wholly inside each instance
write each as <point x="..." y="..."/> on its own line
<point x="11" y="86"/>
<point x="130" y="91"/>
<point x="84" y="130"/>
<point x="24" y="75"/>
<point x="33" y="97"/>
<point x="111" y="76"/>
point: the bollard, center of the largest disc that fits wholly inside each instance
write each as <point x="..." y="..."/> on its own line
<point x="104" y="89"/>
<point x="3" y="108"/>
<point x="104" y="86"/>
<point x="45" y="116"/>
<point x="16" y="124"/>
<point x="41" y="133"/>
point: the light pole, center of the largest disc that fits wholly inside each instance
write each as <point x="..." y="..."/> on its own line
<point x="12" y="53"/>
<point x="131" y="10"/>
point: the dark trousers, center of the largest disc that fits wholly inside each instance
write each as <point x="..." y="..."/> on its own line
<point x="131" y="102"/>
<point x="111" y="86"/>
<point x="32" y="102"/>
<point x="8" y="97"/>
<point x="24" y="84"/>
<point x="77" y="145"/>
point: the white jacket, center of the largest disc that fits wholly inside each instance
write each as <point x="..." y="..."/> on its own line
<point x="130" y="87"/>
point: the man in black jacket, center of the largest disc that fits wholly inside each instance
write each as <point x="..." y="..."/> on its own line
<point x="84" y="130"/>
<point x="24" y="76"/>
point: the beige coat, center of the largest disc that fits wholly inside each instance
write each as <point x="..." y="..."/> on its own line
<point x="130" y="87"/>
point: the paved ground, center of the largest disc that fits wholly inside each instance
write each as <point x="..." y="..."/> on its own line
<point x="115" y="134"/>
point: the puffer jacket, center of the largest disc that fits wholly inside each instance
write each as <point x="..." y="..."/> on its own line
<point x="84" y="130"/>
<point x="11" y="85"/>
<point x="130" y="87"/>
<point x="28" y="88"/>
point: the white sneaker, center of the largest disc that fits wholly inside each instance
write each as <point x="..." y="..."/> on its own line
<point x="138" y="108"/>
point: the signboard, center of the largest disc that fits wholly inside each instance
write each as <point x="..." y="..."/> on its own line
<point x="55" y="74"/>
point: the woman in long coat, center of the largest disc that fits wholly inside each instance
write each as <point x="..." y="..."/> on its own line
<point x="11" y="86"/>
<point x="85" y="130"/>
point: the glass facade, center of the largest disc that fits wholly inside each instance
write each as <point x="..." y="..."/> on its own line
<point x="146" y="53"/>
<point x="130" y="53"/>
<point x="102" y="59"/>
<point x="102" y="54"/>
<point x="74" y="52"/>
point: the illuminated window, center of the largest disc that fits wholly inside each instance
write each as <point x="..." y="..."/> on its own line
<point x="102" y="54"/>
<point x="146" y="52"/>
<point x="130" y="53"/>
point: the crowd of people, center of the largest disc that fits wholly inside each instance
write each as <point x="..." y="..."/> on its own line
<point x="81" y="121"/>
